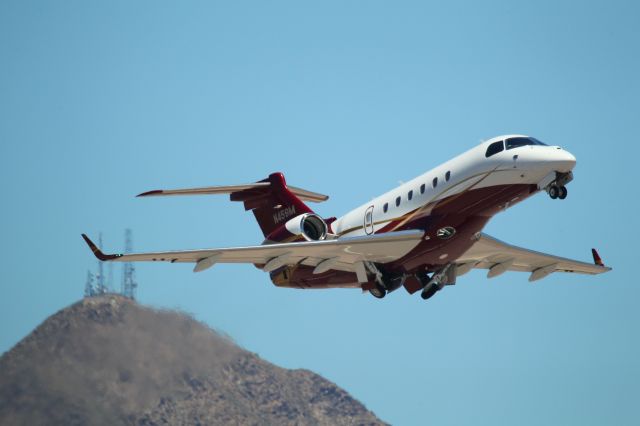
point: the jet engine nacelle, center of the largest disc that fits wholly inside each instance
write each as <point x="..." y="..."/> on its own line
<point x="309" y="225"/>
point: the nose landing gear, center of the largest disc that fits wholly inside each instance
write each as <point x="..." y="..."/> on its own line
<point x="556" y="191"/>
<point x="557" y="188"/>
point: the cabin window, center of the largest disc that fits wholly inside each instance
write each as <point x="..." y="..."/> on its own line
<point x="422" y="188"/>
<point x="385" y="208"/>
<point x="435" y="182"/>
<point x="410" y="195"/>
<point x="447" y="176"/>
<point x="494" y="148"/>
<point x="398" y="202"/>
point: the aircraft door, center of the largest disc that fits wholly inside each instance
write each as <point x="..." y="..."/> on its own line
<point x="368" y="221"/>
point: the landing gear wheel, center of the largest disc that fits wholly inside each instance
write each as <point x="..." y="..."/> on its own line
<point x="554" y="192"/>
<point x="429" y="291"/>
<point x="563" y="193"/>
<point x="378" y="292"/>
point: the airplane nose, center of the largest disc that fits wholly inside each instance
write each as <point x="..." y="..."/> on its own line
<point x="564" y="161"/>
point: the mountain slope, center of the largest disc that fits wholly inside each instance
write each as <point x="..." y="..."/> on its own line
<point x="107" y="360"/>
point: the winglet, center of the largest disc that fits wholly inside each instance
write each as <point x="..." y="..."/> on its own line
<point x="596" y="257"/>
<point x="97" y="252"/>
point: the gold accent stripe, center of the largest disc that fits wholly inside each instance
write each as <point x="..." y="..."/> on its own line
<point x="450" y="199"/>
<point x="407" y="216"/>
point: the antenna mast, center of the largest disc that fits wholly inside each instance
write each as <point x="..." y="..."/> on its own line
<point x="100" y="284"/>
<point x="129" y="283"/>
<point x="89" y="290"/>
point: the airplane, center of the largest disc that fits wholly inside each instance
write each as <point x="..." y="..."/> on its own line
<point x="421" y="235"/>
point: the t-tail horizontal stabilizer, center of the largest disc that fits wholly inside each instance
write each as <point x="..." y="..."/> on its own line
<point x="257" y="188"/>
<point x="271" y="200"/>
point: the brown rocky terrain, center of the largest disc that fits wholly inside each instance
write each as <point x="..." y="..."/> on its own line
<point x="108" y="361"/>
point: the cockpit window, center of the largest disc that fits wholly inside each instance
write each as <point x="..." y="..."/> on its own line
<point x="518" y="142"/>
<point x="494" y="148"/>
<point x="538" y="142"/>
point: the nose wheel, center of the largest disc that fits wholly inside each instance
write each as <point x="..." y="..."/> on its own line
<point x="556" y="191"/>
<point x="563" y="192"/>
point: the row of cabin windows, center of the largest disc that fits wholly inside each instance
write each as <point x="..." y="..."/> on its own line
<point x="423" y="188"/>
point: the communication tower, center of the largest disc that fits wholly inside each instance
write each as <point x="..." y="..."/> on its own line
<point x="129" y="283"/>
<point x="102" y="286"/>
<point x="109" y="284"/>
<point x="89" y="289"/>
<point x="99" y="283"/>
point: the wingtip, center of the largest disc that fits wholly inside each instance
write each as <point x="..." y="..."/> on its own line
<point x="90" y="243"/>
<point x="97" y="252"/>
<point x="150" y="193"/>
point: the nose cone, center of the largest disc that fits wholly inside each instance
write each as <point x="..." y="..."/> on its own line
<point x="563" y="161"/>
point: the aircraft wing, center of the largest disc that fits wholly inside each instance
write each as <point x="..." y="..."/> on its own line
<point x="339" y="254"/>
<point x="499" y="257"/>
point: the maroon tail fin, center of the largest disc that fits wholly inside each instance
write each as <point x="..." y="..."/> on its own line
<point x="272" y="205"/>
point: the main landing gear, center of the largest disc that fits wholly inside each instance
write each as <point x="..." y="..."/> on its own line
<point x="435" y="282"/>
<point x="386" y="284"/>
<point x="429" y="291"/>
<point x="378" y="291"/>
<point x="556" y="191"/>
<point x="430" y="283"/>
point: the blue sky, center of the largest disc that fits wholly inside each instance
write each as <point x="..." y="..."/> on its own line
<point x="102" y="100"/>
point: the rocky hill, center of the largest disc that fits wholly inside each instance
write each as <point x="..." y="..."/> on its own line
<point x="109" y="361"/>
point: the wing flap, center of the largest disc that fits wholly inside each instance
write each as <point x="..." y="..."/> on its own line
<point x="488" y="252"/>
